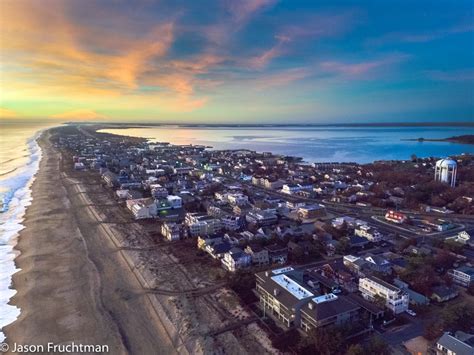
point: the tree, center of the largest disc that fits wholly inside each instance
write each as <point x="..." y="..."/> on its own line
<point x="433" y="330"/>
<point x="458" y="316"/>
<point x="470" y="289"/>
<point x="378" y="346"/>
<point x="355" y="349"/>
<point x="342" y="246"/>
<point x="326" y="341"/>
<point x="443" y="260"/>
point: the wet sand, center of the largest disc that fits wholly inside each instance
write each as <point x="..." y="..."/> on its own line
<point x="72" y="278"/>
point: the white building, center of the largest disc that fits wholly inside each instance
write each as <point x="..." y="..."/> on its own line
<point x="142" y="208"/>
<point x="395" y="299"/>
<point x="446" y="171"/>
<point x="202" y="225"/>
<point x="369" y="233"/>
<point x="232" y="222"/>
<point x="171" y="231"/>
<point x="174" y="201"/>
<point x="290" y="189"/>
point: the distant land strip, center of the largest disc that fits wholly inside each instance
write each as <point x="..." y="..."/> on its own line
<point x="231" y="125"/>
<point x="465" y="139"/>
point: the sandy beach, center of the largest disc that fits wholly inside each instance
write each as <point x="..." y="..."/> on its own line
<point x="69" y="275"/>
<point x="92" y="275"/>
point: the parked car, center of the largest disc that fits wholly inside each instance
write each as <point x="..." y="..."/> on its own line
<point x="411" y="313"/>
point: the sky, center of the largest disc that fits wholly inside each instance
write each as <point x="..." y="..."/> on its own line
<point x="230" y="61"/>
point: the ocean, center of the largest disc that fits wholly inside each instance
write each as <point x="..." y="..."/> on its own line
<point x="313" y="143"/>
<point x="19" y="161"/>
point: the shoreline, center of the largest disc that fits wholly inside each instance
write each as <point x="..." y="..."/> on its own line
<point x="337" y="153"/>
<point x="13" y="217"/>
<point x="59" y="288"/>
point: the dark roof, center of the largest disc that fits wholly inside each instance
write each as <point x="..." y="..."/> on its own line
<point x="383" y="283"/>
<point x="369" y="306"/>
<point x="220" y="248"/>
<point x="329" y="309"/>
<point x="455" y="345"/>
<point x="357" y="240"/>
<point x="444" y="291"/>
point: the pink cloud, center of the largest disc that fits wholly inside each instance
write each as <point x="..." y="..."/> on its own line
<point x="267" y="56"/>
<point x="361" y="68"/>
<point x="242" y="10"/>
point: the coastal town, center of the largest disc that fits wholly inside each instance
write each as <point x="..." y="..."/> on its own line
<point x="284" y="255"/>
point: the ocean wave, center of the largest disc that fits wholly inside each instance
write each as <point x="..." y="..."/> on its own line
<point x="15" y="201"/>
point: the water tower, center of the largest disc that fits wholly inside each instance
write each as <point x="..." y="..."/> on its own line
<point x="445" y="171"/>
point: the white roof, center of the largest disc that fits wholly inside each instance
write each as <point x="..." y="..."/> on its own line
<point x="292" y="286"/>
<point x="446" y="163"/>
<point x="278" y="271"/>
<point x="324" y="298"/>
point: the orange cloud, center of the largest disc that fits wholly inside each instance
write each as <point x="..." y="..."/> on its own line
<point x="79" y="115"/>
<point x="7" y="113"/>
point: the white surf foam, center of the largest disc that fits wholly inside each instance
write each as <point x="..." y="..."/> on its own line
<point x="15" y="201"/>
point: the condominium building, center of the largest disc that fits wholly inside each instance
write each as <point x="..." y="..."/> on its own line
<point x="285" y="296"/>
<point x="281" y="295"/>
<point x="395" y="298"/>
<point x="327" y="310"/>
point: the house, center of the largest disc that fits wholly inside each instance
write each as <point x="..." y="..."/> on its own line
<point x="414" y="250"/>
<point x="462" y="238"/>
<point x="355" y="264"/>
<point x="142" y="208"/>
<point x="258" y="254"/>
<point x="327" y="310"/>
<point x="204" y="241"/>
<point x="458" y="344"/>
<point x="396" y="217"/>
<point x="378" y="263"/>
<point x="463" y="275"/>
<point x="232" y="223"/>
<point x="109" y="178"/>
<point x="357" y="242"/>
<point x="395" y="298"/>
<point x="415" y="297"/>
<point x="236" y="259"/>
<point x="290" y="189"/>
<point x="171" y="231"/>
<point x="218" y="249"/>
<point x="277" y="254"/>
<point x="261" y="217"/>
<point x="311" y="211"/>
<point x="369" y="233"/>
<point x="444" y="293"/>
<point x="202" y="224"/>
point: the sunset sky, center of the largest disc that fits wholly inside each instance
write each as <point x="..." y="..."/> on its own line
<point x="233" y="61"/>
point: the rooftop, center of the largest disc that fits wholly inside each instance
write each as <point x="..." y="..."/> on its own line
<point x="291" y="286"/>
